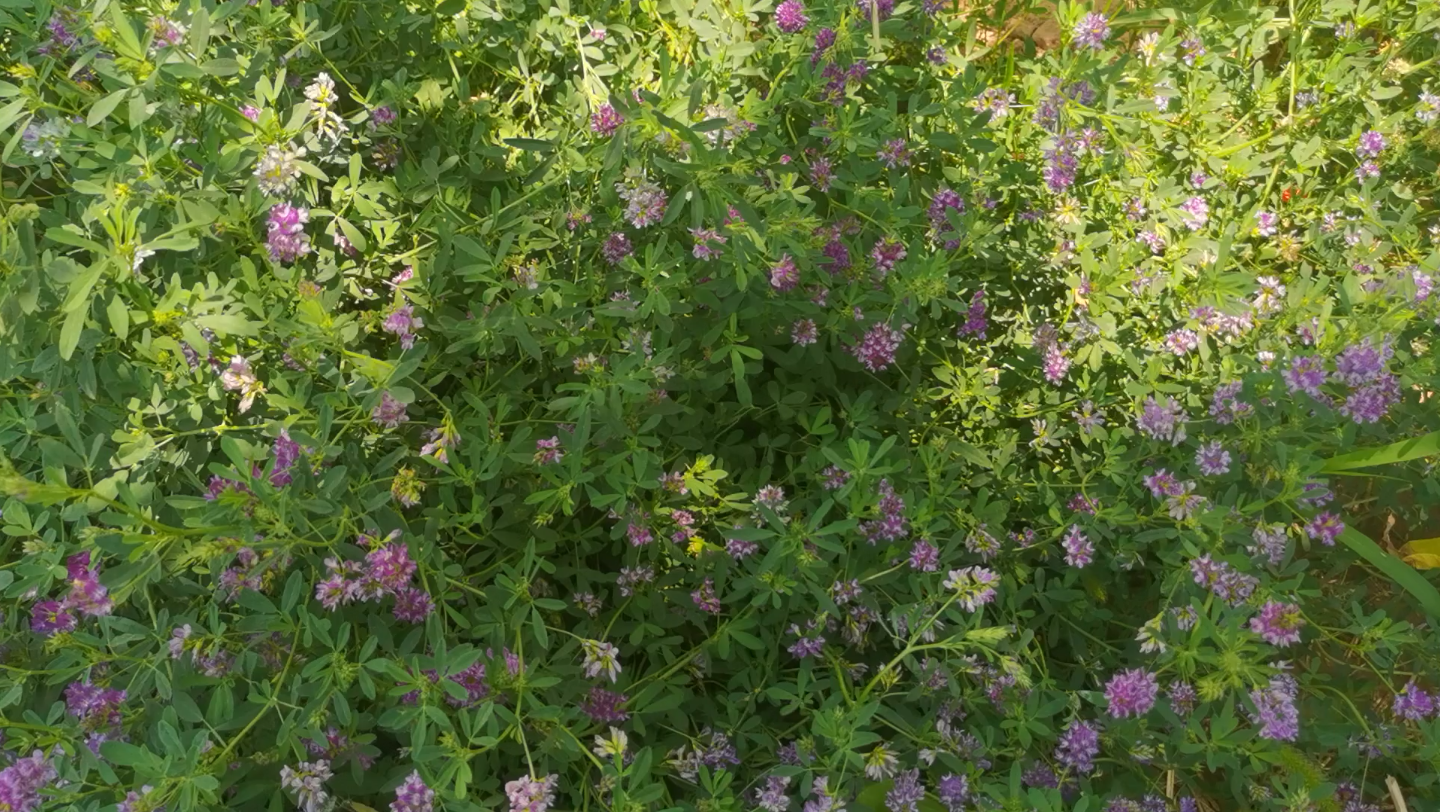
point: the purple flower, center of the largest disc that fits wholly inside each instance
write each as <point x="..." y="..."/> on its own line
<point x="403" y="323"/>
<point x="528" y="794"/>
<point x="52" y="617"/>
<point x="804" y="332"/>
<point x="876" y="350"/>
<point x="790" y="17"/>
<point x="1182" y="697"/>
<point x="771" y="796"/>
<point x="887" y="254"/>
<point x="1091" y="31"/>
<point x="707" y="243"/>
<point x="976" y="322"/>
<point x="1079" y="550"/>
<point x="1362" y="362"/>
<point x="382" y="115"/>
<point x="1413" y="703"/>
<point x="605" y="706"/>
<point x="1265" y="223"/>
<point x="822" y="172"/>
<point x="1055" y="364"/>
<point x="87" y="596"/>
<point x="1371" y="144"/>
<point x="945" y="201"/>
<point x="784" y="275"/>
<point x="1269" y="542"/>
<point x="1306" y="374"/>
<point x="390" y="412"/>
<point x="1131" y="693"/>
<point x="906" y="793"/>
<point x="974" y="585"/>
<point x="284" y="452"/>
<point x="1278" y="623"/>
<point x="1223" y="580"/>
<point x="644" y="202"/>
<point x="286" y="239"/>
<point x="993" y="100"/>
<point x="807" y="643"/>
<point x="1371" y="402"/>
<point x="924" y="556"/>
<point x="605" y="120"/>
<point x="1325" y="528"/>
<point x="894" y="154"/>
<point x="413" y="605"/>
<point x="616" y="247"/>
<point x="953" y="791"/>
<point x="21" y="782"/>
<point x="1182" y="341"/>
<point x="1275" y="710"/>
<point x="705" y="598"/>
<point x="1195" y="213"/>
<point x="824" y="38"/>
<point x="1212" y="459"/>
<point x="1162" y="421"/>
<point x="1078" y="746"/>
<point x="413" y="796"/>
<point x="1225" y="405"/>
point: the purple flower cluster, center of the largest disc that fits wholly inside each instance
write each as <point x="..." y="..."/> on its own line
<point x="1278" y="623"/>
<point x="891" y="524"/>
<point x="21" y="782"/>
<point x="605" y="706"/>
<point x="1275" y="709"/>
<point x="403" y="323"/>
<point x="784" y="275"/>
<point x="1091" y="31"/>
<point x="887" y="254"/>
<point x="286" y="239"/>
<point x="529" y="794"/>
<point x="790" y="17"/>
<point x="1079" y="550"/>
<point x="976" y="323"/>
<point x="1078" y="746"/>
<point x="876" y="350"/>
<point x="644" y="202"/>
<point x="86" y="597"/>
<point x="1162" y="420"/>
<point x="707" y="243"/>
<point x="1223" y="580"/>
<point x="389" y="412"/>
<point x="605" y="120"/>
<point x="1414" y="704"/>
<point x="1226" y="406"/>
<point x="1131" y="693"/>
<point x="944" y="202"/>
<point x="413" y="795"/>
<point x="616" y="247"/>
<point x="386" y="570"/>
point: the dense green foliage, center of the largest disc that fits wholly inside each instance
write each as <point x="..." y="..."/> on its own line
<point x="704" y="405"/>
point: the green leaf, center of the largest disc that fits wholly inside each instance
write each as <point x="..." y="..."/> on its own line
<point x="102" y="109"/>
<point x="229" y="324"/>
<point x="1402" y="451"/>
<point x="119" y="316"/>
<point x="221" y="67"/>
<point x="1401" y="573"/>
<point x="531" y="144"/>
<point x="70" y="332"/>
<point x="10" y="112"/>
<point x="126" y="42"/>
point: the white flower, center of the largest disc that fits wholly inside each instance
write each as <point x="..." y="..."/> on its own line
<point x="612" y="746"/>
<point x="600" y="658"/>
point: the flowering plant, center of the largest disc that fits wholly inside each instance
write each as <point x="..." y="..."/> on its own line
<point x="711" y="406"/>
